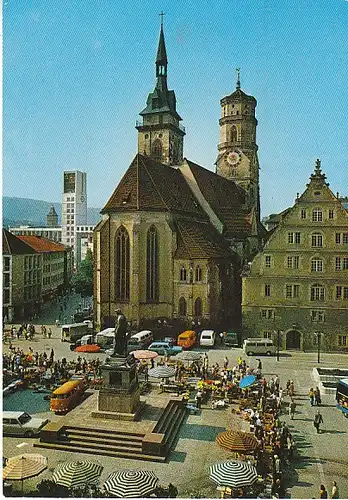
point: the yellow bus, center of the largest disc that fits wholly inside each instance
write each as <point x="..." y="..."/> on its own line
<point x="67" y="395"/>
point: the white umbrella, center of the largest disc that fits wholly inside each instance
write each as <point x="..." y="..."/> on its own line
<point x="162" y="372"/>
<point x="233" y="474"/>
<point x="131" y="483"/>
<point x="77" y="474"/>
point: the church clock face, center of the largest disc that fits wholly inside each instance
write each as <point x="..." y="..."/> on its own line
<point x="233" y="158"/>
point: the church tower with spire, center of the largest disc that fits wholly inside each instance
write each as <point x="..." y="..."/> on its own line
<point x="237" y="159"/>
<point x="160" y="134"/>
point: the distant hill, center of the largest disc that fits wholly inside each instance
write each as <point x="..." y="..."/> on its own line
<point x="25" y="211"/>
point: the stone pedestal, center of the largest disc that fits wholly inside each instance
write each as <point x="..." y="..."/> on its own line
<point x="119" y="396"/>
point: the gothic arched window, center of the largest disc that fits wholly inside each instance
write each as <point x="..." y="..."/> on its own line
<point x="198" y="274"/>
<point x="182" y="306"/>
<point x="152" y="282"/>
<point x="156" y="150"/>
<point x="198" y="307"/>
<point x="233" y="134"/>
<point x="183" y="274"/>
<point x="122" y="261"/>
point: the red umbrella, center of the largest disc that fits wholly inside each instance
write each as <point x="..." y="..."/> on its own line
<point x="144" y="354"/>
<point x="88" y="348"/>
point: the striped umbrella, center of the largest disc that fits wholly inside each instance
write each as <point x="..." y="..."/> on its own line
<point x="233" y="474"/>
<point x="162" y="372"/>
<point x="188" y="356"/>
<point x="237" y="441"/>
<point x="143" y="354"/>
<point x="131" y="483"/>
<point x="24" y="466"/>
<point x="77" y="474"/>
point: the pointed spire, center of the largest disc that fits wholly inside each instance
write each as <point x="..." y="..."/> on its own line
<point x="238" y="78"/>
<point x="161" y="61"/>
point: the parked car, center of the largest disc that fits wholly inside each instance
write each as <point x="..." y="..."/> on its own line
<point x="165" y="348"/>
<point x="20" y="423"/>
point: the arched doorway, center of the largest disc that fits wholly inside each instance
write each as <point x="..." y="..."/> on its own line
<point x="293" y="339"/>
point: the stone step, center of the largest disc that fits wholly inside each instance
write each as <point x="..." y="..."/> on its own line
<point x="168" y="411"/>
<point x="104" y="446"/>
<point x="125" y="435"/>
<point x="171" y="419"/>
<point x="171" y="439"/>
<point x="100" y="433"/>
<point x="72" y="436"/>
<point x="110" y="453"/>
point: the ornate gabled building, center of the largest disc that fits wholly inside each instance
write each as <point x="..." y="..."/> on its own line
<point x="173" y="235"/>
<point x="298" y="284"/>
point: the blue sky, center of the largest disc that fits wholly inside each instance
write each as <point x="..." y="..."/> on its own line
<point x="78" y="72"/>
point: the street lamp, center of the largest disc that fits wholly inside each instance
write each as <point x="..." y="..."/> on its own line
<point x="318" y="337"/>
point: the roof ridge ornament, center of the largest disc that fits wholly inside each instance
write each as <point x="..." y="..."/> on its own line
<point x="318" y="175"/>
<point x="238" y="78"/>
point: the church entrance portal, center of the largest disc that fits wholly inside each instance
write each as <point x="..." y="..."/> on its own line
<point x="293" y="339"/>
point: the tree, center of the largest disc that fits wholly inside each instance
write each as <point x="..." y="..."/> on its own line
<point x="82" y="280"/>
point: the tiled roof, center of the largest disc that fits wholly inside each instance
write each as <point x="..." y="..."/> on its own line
<point x="42" y="244"/>
<point x="226" y="199"/>
<point x="199" y="240"/>
<point x="12" y="245"/>
<point x="149" y="185"/>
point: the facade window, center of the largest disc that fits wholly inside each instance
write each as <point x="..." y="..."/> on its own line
<point x="152" y="281"/>
<point x="317" y="215"/>
<point x="6" y="263"/>
<point x="122" y="258"/>
<point x="294" y="238"/>
<point x="338" y="238"/>
<point x="316" y="265"/>
<point x="293" y="261"/>
<point x="341" y="292"/>
<point x="317" y="292"/>
<point x="342" y="340"/>
<point x="345" y="263"/>
<point x="331" y="214"/>
<point x="318" y="316"/>
<point x="292" y="291"/>
<point x="345" y="238"/>
<point x="338" y="264"/>
<point x="198" y="274"/>
<point x="6" y="296"/>
<point x="182" y="306"/>
<point x="233" y="134"/>
<point x="303" y="213"/>
<point x="183" y="274"/>
<point x="267" y="261"/>
<point x="317" y="240"/>
<point x="156" y="150"/>
<point x="268" y="335"/>
<point x="267" y="313"/>
<point x="198" y="307"/>
<point x="267" y="290"/>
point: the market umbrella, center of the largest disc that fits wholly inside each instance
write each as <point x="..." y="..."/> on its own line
<point x="77" y="474"/>
<point x="88" y="348"/>
<point x="24" y="466"/>
<point x="237" y="441"/>
<point x="188" y="356"/>
<point x="144" y="354"/>
<point x="247" y="381"/>
<point x="131" y="483"/>
<point x="233" y="474"/>
<point x="162" y="372"/>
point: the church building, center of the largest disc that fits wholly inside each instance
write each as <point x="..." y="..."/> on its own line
<point x="175" y="235"/>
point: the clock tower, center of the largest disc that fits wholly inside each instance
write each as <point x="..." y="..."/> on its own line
<point x="237" y="159"/>
<point x="160" y="134"/>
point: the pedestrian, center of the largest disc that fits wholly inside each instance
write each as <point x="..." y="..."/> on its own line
<point x="221" y="336"/>
<point x="49" y="332"/>
<point x="259" y="364"/>
<point x="277" y="383"/>
<point x="311" y="396"/>
<point x="292" y="408"/>
<point x="323" y="492"/>
<point x="318" y="419"/>
<point x="225" y="362"/>
<point x="317" y="396"/>
<point x="291" y="389"/>
<point x="52" y="355"/>
<point x="334" y="492"/>
<point x="198" y="399"/>
<point x="146" y="373"/>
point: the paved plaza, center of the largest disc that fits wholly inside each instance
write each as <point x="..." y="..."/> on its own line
<point x="320" y="459"/>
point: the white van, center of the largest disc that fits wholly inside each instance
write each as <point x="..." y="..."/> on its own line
<point x="73" y="332"/>
<point x="207" y="338"/>
<point x="140" y="340"/>
<point x="259" y="346"/>
<point x="105" y="337"/>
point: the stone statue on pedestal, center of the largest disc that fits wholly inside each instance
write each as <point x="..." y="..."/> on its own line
<point x="120" y="339"/>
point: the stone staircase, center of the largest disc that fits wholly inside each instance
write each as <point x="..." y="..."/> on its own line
<point x="80" y="439"/>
